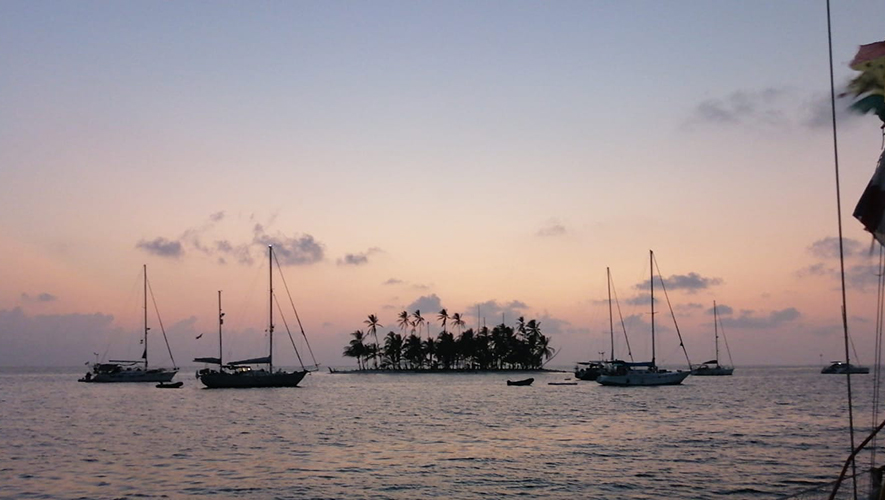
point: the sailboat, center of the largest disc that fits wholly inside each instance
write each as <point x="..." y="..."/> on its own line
<point x="240" y="374"/>
<point x="712" y="367"/>
<point x="590" y="370"/>
<point x="621" y="373"/>
<point x="122" y="370"/>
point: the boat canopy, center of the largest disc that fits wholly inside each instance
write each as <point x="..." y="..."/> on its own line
<point x="214" y="361"/>
<point x="711" y="362"/>
<point x="129" y="361"/>
<point x="253" y="361"/>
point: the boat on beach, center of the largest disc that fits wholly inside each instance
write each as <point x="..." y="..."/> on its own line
<point x="241" y="374"/>
<point x="626" y="374"/>
<point x="712" y="367"/>
<point x="128" y="370"/>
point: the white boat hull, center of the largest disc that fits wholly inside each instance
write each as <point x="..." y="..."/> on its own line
<point x="156" y="376"/>
<point x="643" y="378"/>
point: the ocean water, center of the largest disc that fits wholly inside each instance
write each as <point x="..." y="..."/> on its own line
<point x="762" y="433"/>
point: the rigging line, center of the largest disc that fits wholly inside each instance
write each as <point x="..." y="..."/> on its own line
<point x="286" y="324"/>
<point x="297" y="318"/>
<point x="877" y="370"/>
<point x="672" y="314"/>
<point x="841" y="244"/>
<point x="160" y="320"/>
<point x="623" y="327"/>
<point x="722" y="331"/>
<point x="850" y="460"/>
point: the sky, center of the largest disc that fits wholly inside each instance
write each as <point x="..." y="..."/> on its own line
<point x="400" y="155"/>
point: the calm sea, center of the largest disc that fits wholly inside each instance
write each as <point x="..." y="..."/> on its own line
<point x="763" y="433"/>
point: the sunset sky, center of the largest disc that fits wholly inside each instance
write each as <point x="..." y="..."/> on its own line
<point x="428" y="154"/>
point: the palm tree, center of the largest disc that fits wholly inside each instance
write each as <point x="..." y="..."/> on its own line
<point x="443" y="316"/>
<point x="458" y="321"/>
<point x="418" y="320"/>
<point x="445" y="349"/>
<point x="414" y="351"/>
<point x="393" y="349"/>
<point x="374" y="325"/>
<point x="356" y="348"/>
<point x="430" y="351"/>
<point x="404" y="321"/>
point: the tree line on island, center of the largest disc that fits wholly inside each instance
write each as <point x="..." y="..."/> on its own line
<point x="501" y="348"/>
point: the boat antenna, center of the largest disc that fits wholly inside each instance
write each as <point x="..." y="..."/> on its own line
<point x="841" y="255"/>
<point x="611" y="324"/>
<point x="651" y="282"/>
<point x="672" y="314"/>
<point x="270" y="306"/>
<point x="144" y="356"/>
<point x="220" y="322"/>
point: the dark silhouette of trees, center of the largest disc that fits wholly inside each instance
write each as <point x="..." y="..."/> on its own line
<point x="523" y="347"/>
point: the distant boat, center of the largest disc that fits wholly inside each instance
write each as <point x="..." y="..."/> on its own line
<point x="527" y="381"/>
<point x="842" y="368"/>
<point x="624" y="374"/>
<point x="240" y="374"/>
<point x="121" y="370"/>
<point x="712" y="367"/>
<point x="170" y="385"/>
<point x="588" y="370"/>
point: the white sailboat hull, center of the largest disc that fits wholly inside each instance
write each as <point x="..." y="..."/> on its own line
<point x="153" y="375"/>
<point x="643" y="378"/>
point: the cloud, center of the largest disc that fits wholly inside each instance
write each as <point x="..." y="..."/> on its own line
<point x="291" y="251"/>
<point x="748" y="319"/>
<point x="819" y="110"/>
<point x="743" y="108"/>
<point x="494" y="312"/>
<point x="691" y="282"/>
<point x="862" y="277"/>
<point x="161" y="247"/>
<point x="393" y="281"/>
<point x="722" y="310"/>
<point x="819" y="269"/>
<point x="217" y="216"/>
<point x="52" y="339"/>
<point x="552" y="229"/>
<point x="427" y="303"/>
<point x="828" y="248"/>
<point x="41" y="297"/>
<point x="242" y="253"/>
<point x="358" y="259"/>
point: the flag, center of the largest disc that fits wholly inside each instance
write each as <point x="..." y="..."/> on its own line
<point x="870" y="209"/>
<point x="198" y="336"/>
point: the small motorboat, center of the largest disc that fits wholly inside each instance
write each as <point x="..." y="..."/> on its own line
<point x="170" y="385"/>
<point x="527" y="381"/>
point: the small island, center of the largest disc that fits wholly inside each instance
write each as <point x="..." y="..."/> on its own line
<point x="503" y="348"/>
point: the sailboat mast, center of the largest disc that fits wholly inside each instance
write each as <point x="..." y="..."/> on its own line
<point x="716" y="330"/>
<point x="270" y="304"/>
<point x="144" y="355"/>
<point x="611" y="324"/>
<point x="220" y="322"/>
<point x="651" y="266"/>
